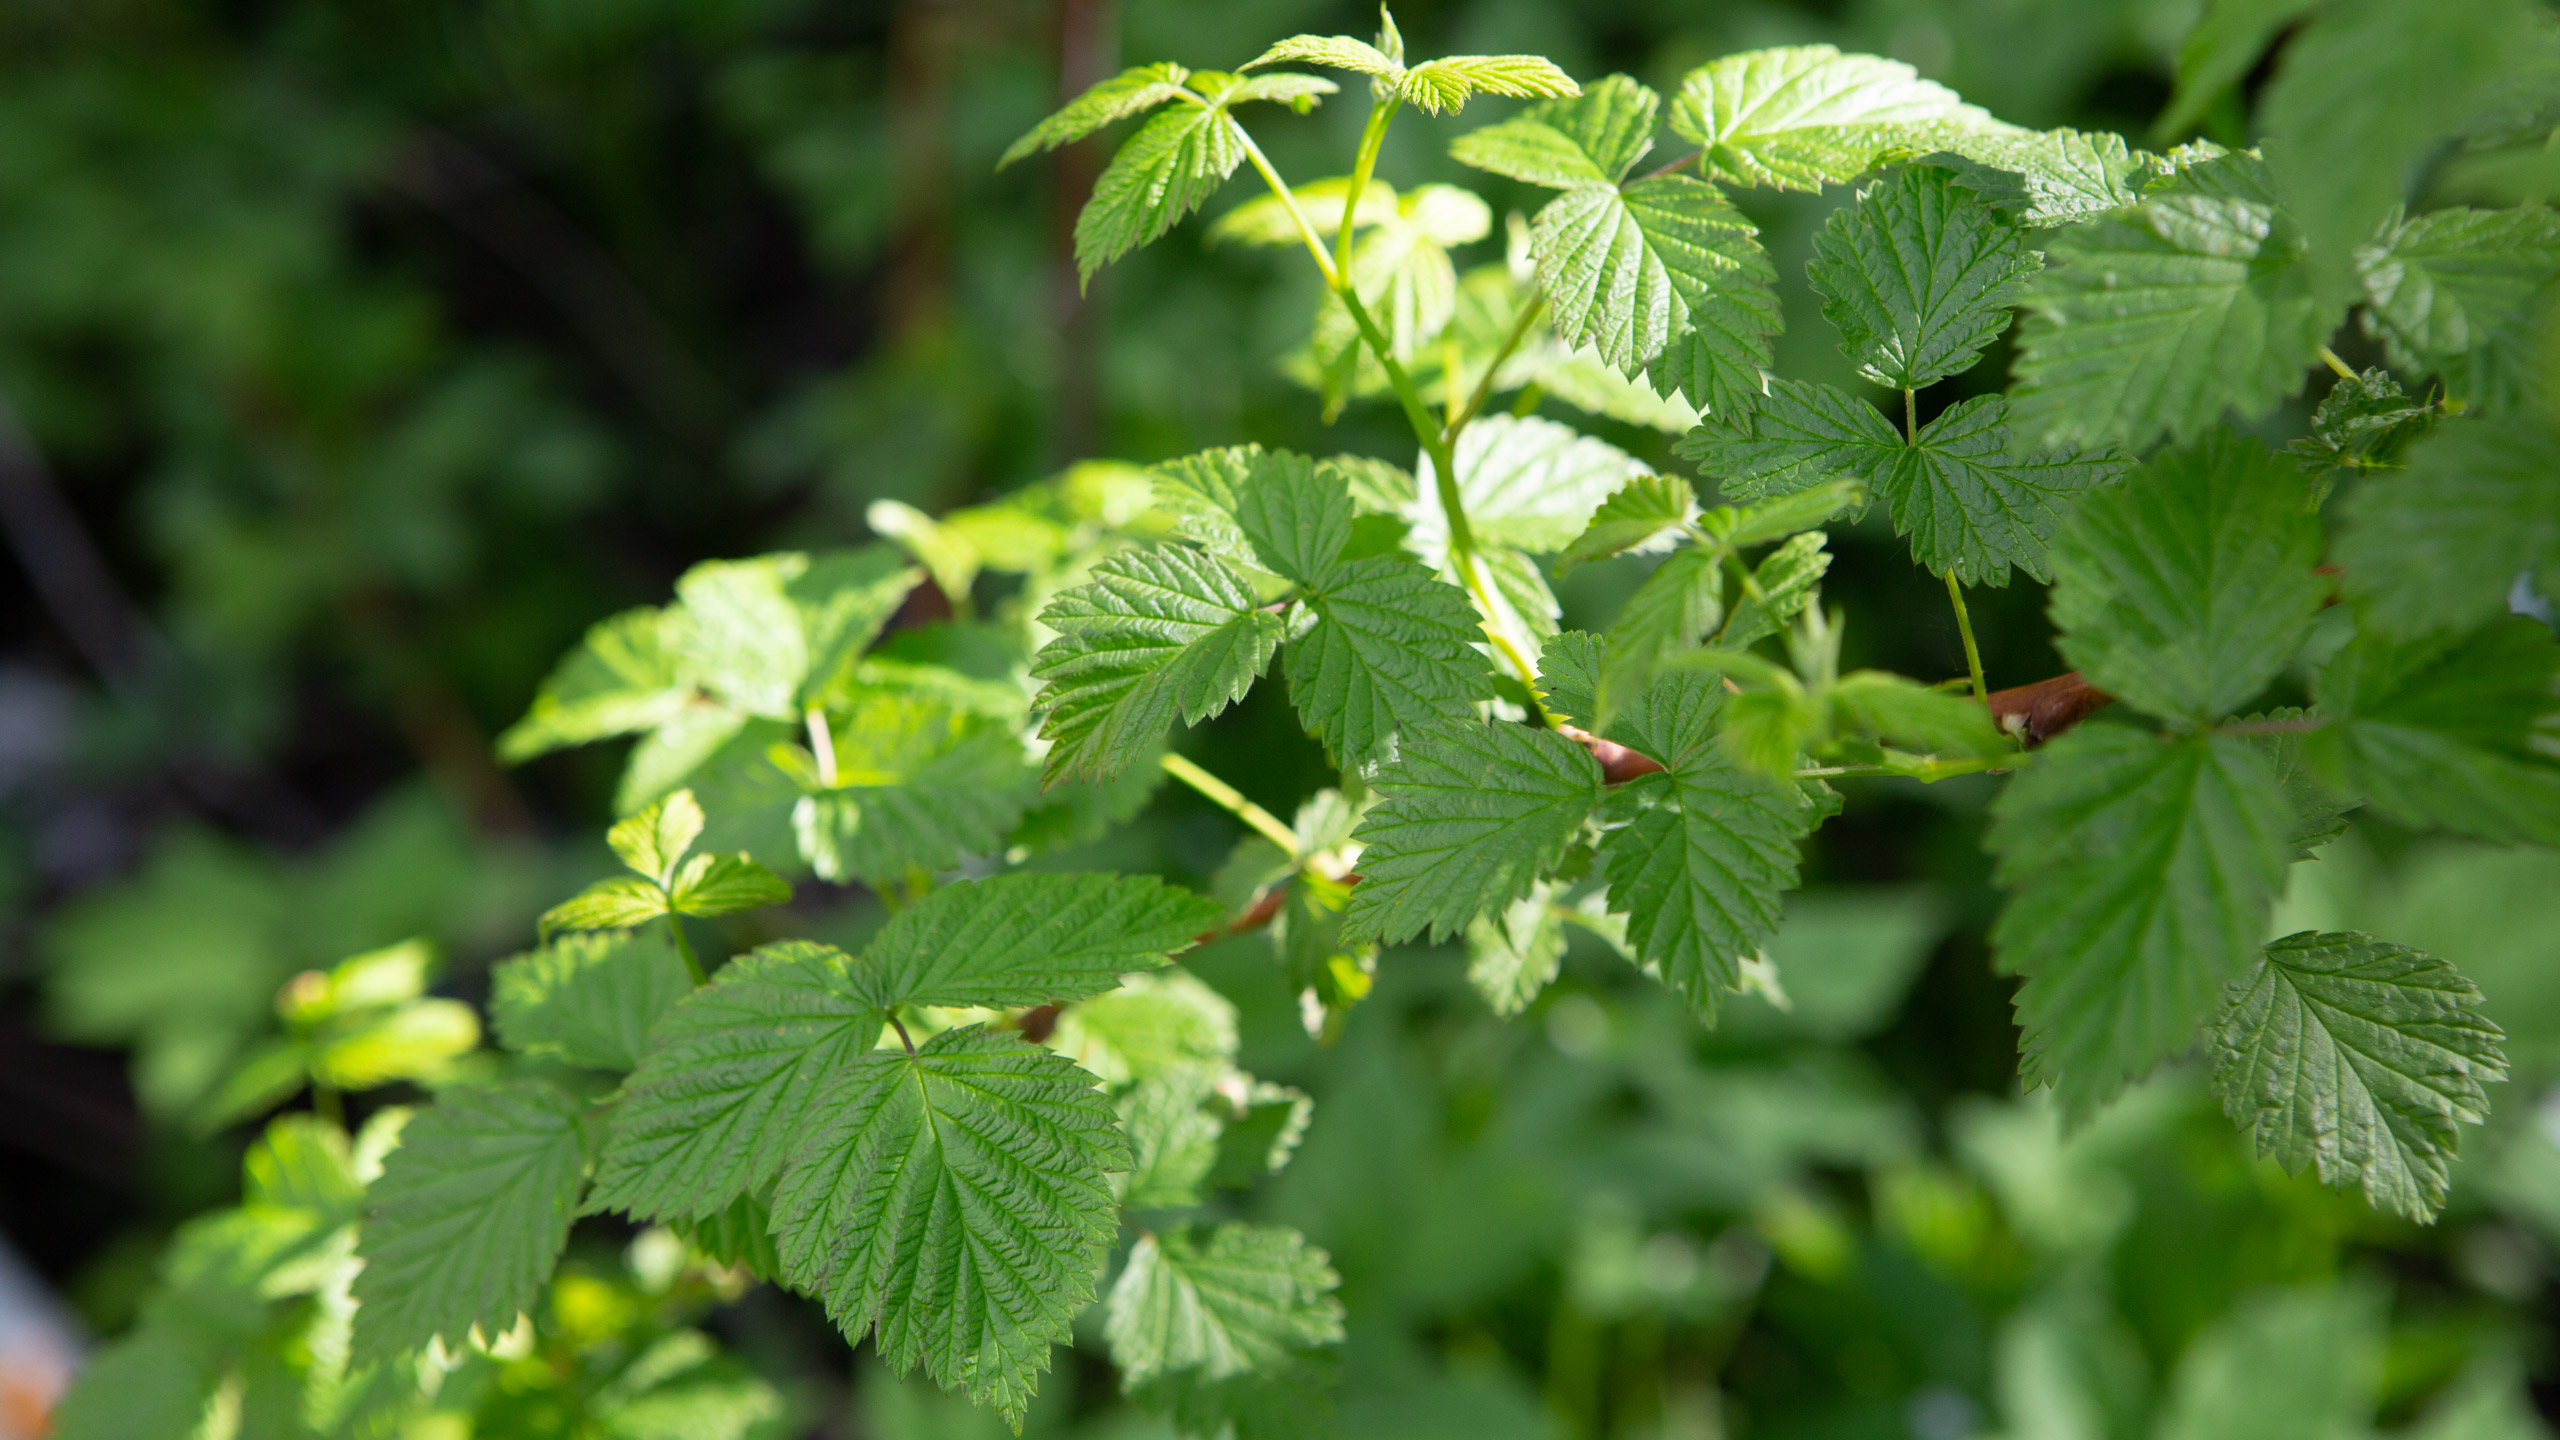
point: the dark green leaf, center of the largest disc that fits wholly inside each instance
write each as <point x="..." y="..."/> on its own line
<point x="1470" y="815"/>
<point x="1917" y="276"/>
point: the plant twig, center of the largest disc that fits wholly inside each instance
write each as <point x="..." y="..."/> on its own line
<point x="684" y="947"/>
<point x="1529" y="314"/>
<point x="1372" y="135"/>
<point x="2330" y="358"/>
<point x="1228" y="798"/>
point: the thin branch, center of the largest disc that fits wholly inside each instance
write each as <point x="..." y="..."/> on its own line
<point x="1228" y="798"/>
<point x="903" y="1037"/>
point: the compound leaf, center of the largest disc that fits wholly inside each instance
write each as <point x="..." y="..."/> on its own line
<point x="1701" y="870"/>
<point x="2141" y="871"/>
<point x="1805" y="116"/>
<point x="953" y="1201"/>
<point x="1157" y="634"/>
<point x="1917" y="276"/>
<point x="2448" y="731"/>
<point x="1443" y="86"/>
<point x="589" y="998"/>
<point x="733" y="1081"/>
<point x="1470" y="815"/>
<point x="1239" y="1298"/>
<point x="1028" y="939"/>
<point x="2359" y="1057"/>
<point x="468" y="1216"/>
<point x="2160" y="317"/>
<point x="1392" y="647"/>
<point x="2184" y="590"/>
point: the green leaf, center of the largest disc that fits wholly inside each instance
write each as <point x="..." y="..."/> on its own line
<point x="2359" y="1057"/>
<point x="1154" y="1024"/>
<point x="1513" y="952"/>
<point x="654" y="841"/>
<point x="2158" y="318"/>
<point x="733" y="1081"/>
<point x="590" y="999"/>
<point x="1297" y="518"/>
<point x="1972" y="506"/>
<point x="2184" y="590"/>
<point x="2456" y="732"/>
<point x="1701" y="869"/>
<point x="2140" y="871"/>
<point x="1199" y="493"/>
<point x="1391" y="648"/>
<point x="616" y="903"/>
<point x="1173" y="1139"/>
<point x="1470" y="815"/>
<point x="1525" y="482"/>
<point x="920" y="786"/>
<point x="1643" y="514"/>
<point x="2440" y="545"/>
<point x="1239" y="1298"/>
<point x="953" y="1201"/>
<point x="1443" y="86"/>
<point x="1918" y="277"/>
<point x="419" y="1040"/>
<point x="2366" y="422"/>
<point x="468" y="1217"/>
<point x="1569" y="676"/>
<point x="1911" y="716"/>
<point x="1029" y="939"/>
<point x="1157" y="634"/>
<point x="1338" y="52"/>
<point x="772" y="635"/>
<point x="1176" y="160"/>
<point x="1786" y="577"/>
<point x="626" y="676"/>
<point x="2225" y="45"/>
<point x="303" y="1162"/>
<point x="2463" y="292"/>
<point x="725" y="884"/>
<point x="2283" y="1362"/>
<point x="2042" y="178"/>
<point x="1594" y="140"/>
<point x="1803" y="434"/>
<point x="1131" y="92"/>
<point x="2367" y="92"/>
<point x="1677" y="606"/>
<point x="1665" y="277"/>
<point x="1805" y="116"/>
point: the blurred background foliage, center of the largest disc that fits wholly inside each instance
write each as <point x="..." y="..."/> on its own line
<point x="358" y="355"/>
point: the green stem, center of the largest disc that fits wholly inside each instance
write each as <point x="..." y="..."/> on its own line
<point x="1289" y="202"/>
<point x="1529" y="314"/>
<point x="1228" y="798"/>
<point x="1372" y="135"/>
<point x="2330" y="358"/>
<point x="1910" y="417"/>
<point x="1964" y="627"/>
<point x="1934" y="770"/>
<point x="684" y="947"/>
<point x="903" y="1037"/>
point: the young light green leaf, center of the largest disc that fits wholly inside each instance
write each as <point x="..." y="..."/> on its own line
<point x="591" y="999"/>
<point x="725" y="884"/>
<point x="1154" y="1024"/>
<point x="920" y="785"/>
<point x="2440" y="545"/>
<point x="1805" y="116"/>
<point x="2141" y="871"/>
<point x="1911" y="716"/>
<point x="773" y="635"/>
<point x="1594" y="140"/>
<point x="1677" y="606"/>
<point x="953" y="1201"/>
<point x="1157" y="634"/>
<point x="1131" y="92"/>
<point x="2448" y="731"/>
<point x="1471" y="814"/>
<point x="468" y="1217"/>
<point x="2158" y="318"/>
<point x="1443" y="86"/>
<point x="733" y="1080"/>
<point x="626" y="676"/>
<point x="2184" y="590"/>
<point x="2367" y="92"/>
<point x="1264" y="220"/>
<point x="1241" y="1298"/>
<point x="1701" y="870"/>
<point x="1524" y="482"/>
<point x="1786" y="577"/>
<point x="1336" y="52"/>
<point x="1974" y="507"/>
<point x="1569" y="676"/>
<point x="1162" y="173"/>
<point x="1392" y="647"/>
<point x="1644" y="512"/>
<point x="1666" y="277"/>
<point x="2360" y="1058"/>
<point x="615" y="903"/>
<point x="1917" y="276"/>
<point x="2461" y="292"/>
<point x="2365" y="422"/>
<point x="654" y="841"/>
<point x="1513" y="952"/>
<point x="2041" y="178"/>
<point x="1173" y="1131"/>
<point x="419" y="1040"/>
<point x="1028" y="939"/>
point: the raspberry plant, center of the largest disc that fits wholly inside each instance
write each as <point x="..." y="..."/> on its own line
<point x="945" y="1137"/>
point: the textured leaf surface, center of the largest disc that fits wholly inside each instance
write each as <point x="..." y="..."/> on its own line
<point x="1513" y="952"/>
<point x="1470" y="814"/>
<point x="589" y="998"/>
<point x="1238" y="1298"/>
<point x="625" y="676"/>
<point x="1804" y="116"/>
<point x="1525" y="482"/>
<point x="1786" y="577"/>
<point x="1664" y="277"/>
<point x="2157" y="319"/>
<point x="1972" y="506"/>
<point x="1676" y="607"/>
<point x="921" y="785"/>
<point x="1594" y="140"/>
<point x="1131" y="92"/>
<point x="2459" y="733"/>
<point x="2461" y="292"/>
<point x="2185" y="589"/>
<point x="1917" y="276"/>
<point x="733" y="1081"/>
<point x="1641" y="514"/>
<point x="1157" y="634"/>
<point x="953" y="1201"/>
<point x="1391" y="647"/>
<point x="1162" y="173"/>
<point x="1804" y="434"/>
<point x="2439" y="545"/>
<point x="1701" y="871"/>
<point x="1028" y="939"/>
<point x="2358" y="1057"/>
<point x="2048" y="177"/>
<point x="2140" y="874"/>
<point x="468" y="1216"/>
